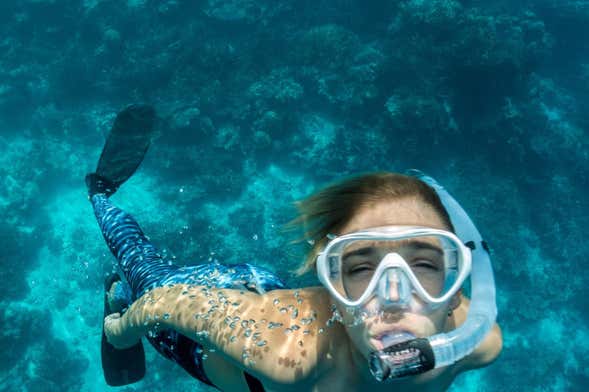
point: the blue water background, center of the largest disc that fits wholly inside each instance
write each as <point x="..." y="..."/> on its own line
<point x="260" y="103"/>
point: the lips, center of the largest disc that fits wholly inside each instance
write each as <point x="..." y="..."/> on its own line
<point x="388" y="338"/>
<point x="396" y="337"/>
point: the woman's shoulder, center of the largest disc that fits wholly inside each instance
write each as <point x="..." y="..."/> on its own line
<point x="282" y="337"/>
<point x="315" y="295"/>
<point x="309" y="338"/>
<point x="303" y="341"/>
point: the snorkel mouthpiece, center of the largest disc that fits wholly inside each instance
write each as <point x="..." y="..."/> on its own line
<point x="401" y="360"/>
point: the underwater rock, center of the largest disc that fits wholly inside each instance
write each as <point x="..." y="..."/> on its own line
<point x="418" y="112"/>
<point x="185" y="117"/>
<point x="279" y="87"/>
<point x="472" y="61"/>
<point x="328" y="47"/>
<point x="233" y="10"/>
<point x="338" y="66"/>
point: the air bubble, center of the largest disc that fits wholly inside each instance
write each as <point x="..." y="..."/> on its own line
<point x="202" y="334"/>
<point x="273" y="325"/>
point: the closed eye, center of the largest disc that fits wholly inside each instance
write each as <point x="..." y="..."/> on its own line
<point x="425" y="264"/>
<point x="360" y="268"/>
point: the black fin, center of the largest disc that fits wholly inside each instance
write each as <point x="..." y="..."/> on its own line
<point x="120" y="367"/>
<point x="125" y="147"/>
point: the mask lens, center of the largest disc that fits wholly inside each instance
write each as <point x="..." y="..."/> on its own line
<point x="432" y="259"/>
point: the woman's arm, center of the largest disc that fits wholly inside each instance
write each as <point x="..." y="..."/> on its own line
<point x="280" y="337"/>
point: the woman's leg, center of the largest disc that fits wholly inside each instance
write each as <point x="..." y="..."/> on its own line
<point x="143" y="268"/>
<point x="139" y="262"/>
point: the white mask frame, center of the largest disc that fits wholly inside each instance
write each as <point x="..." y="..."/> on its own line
<point x="393" y="233"/>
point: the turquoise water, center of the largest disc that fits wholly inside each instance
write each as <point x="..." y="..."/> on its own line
<point x="262" y="102"/>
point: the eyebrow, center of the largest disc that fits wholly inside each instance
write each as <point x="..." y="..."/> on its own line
<point x="368" y="250"/>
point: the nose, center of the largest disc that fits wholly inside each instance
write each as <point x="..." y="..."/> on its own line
<point x="394" y="288"/>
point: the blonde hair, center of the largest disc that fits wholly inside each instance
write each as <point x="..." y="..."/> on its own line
<point x="332" y="207"/>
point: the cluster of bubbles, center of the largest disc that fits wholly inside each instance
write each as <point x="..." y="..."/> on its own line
<point x="218" y="301"/>
<point x="215" y="301"/>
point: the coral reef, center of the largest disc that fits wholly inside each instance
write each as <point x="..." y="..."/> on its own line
<point x="259" y="103"/>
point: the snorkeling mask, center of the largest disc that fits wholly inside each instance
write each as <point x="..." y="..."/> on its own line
<point x="397" y="264"/>
<point x="428" y="262"/>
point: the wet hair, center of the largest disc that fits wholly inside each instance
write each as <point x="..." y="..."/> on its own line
<point x="331" y="208"/>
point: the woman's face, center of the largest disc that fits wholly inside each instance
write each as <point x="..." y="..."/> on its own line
<point x="367" y="335"/>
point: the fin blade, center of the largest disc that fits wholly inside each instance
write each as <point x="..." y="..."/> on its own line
<point x="127" y="143"/>
<point x="120" y="367"/>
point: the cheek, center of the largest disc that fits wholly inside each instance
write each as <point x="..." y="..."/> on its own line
<point x="358" y="336"/>
<point x="439" y="318"/>
<point x="357" y="331"/>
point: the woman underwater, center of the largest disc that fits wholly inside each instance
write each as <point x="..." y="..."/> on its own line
<point x="392" y="252"/>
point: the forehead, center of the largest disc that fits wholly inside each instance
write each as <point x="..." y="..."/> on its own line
<point x="405" y="211"/>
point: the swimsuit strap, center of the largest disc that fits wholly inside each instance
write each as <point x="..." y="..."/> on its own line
<point x="253" y="383"/>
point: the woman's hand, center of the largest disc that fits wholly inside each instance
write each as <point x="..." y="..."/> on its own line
<point x="118" y="333"/>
